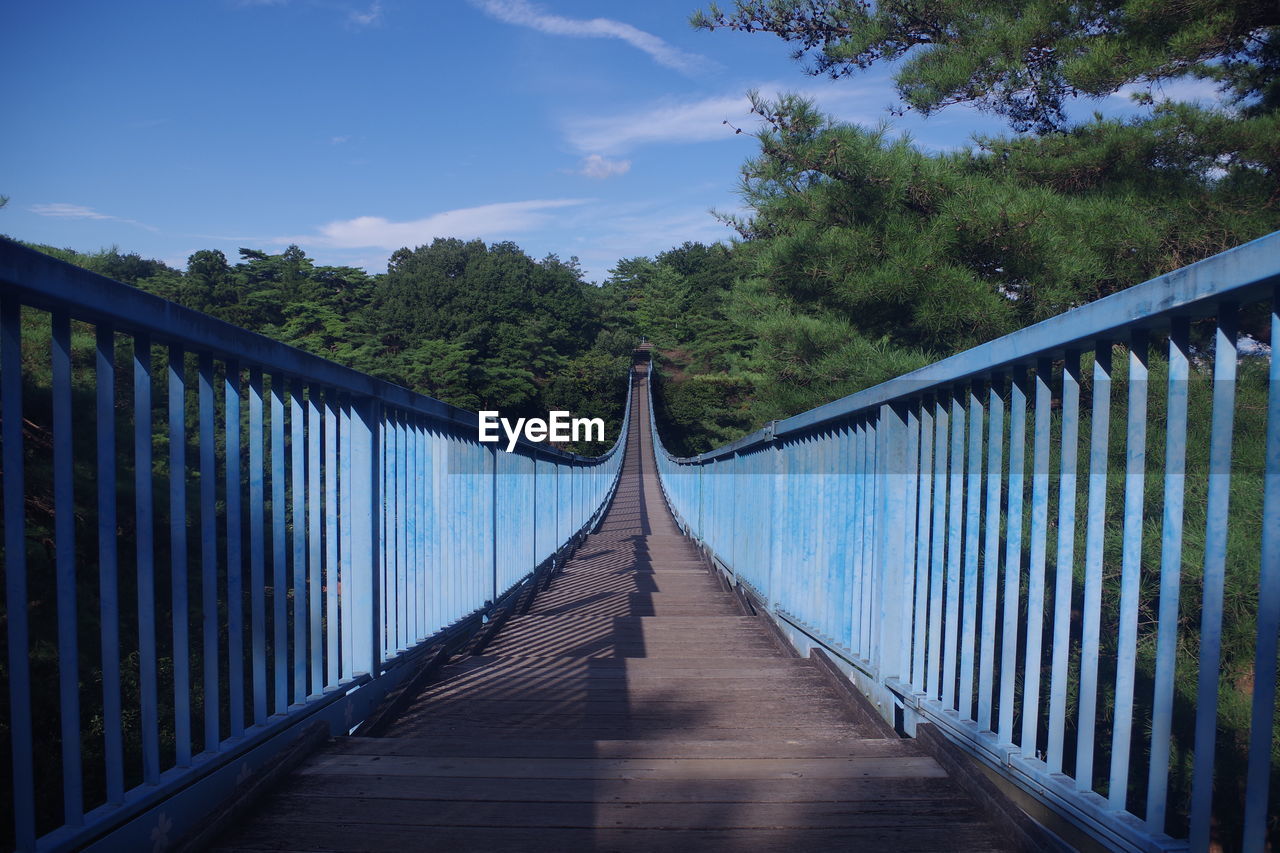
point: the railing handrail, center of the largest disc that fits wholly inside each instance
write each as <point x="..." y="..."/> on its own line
<point x="96" y="298"/>
<point x="1239" y="274"/>
<point x="349" y="529"/>
<point x="893" y="526"/>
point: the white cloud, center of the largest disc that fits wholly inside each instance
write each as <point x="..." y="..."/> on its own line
<point x="595" y="166"/>
<point x="68" y="211"/>
<point x="369" y="18"/>
<point x="626" y="230"/>
<point x="62" y="210"/>
<point x="524" y="14"/>
<point x="706" y="120"/>
<point x="339" y="140"/>
<point x="489" y="221"/>
<point x="697" y="121"/>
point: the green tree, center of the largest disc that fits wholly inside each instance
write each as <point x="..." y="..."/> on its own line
<point x="1026" y="58"/>
<point x="863" y="254"/>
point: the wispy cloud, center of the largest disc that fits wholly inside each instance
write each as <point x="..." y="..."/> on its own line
<point x="489" y="221"/>
<point x="627" y="230"/>
<point x="355" y="17"/>
<point x="366" y="19"/>
<point x="706" y="120"/>
<point x="61" y="210"/>
<point x="524" y="14"/>
<point x="599" y="168"/>
<point x="339" y="140"/>
<point x="696" y="121"/>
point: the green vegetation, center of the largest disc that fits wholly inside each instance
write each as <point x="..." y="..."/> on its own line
<point x="1023" y="59"/>
<point x="863" y="257"/>
<point x="473" y="325"/>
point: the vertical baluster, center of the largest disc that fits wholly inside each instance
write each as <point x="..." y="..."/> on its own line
<point x="991" y="550"/>
<point x="1100" y="430"/>
<point x="972" y="525"/>
<point x="938" y="549"/>
<point x="848" y="603"/>
<point x="15" y="574"/>
<point x="1130" y="569"/>
<point x="386" y="519"/>
<point x="65" y="556"/>
<point x="829" y="553"/>
<point x="849" y="524"/>
<point x="365" y="499"/>
<point x="279" y="550"/>
<point x="1035" y="572"/>
<point x="315" y="538"/>
<point x="298" y="479"/>
<point x="345" y="578"/>
<point x="842" y="516"/>
<point x="1264" y="668"/>
<point x="1065" y="559"/>
<point x="441" y="565"/>
<point x="1175" y="476"/>
<point x="425" y="511"/>
<point x="817" y="539"/>
<point x="455" y="557"/>
<point x="393" y="513"/>
<point x="108" y="565"/>
<point x="955" y="521"/>
<point x="492" y="521"/>
<point x="841" y="524"/>
<point x="142" y="455"/>
<point x="813" y="490"/>
<point x="178" y="556"/>
<point x="911" y="481"/>
<point x="257" y="553"/>
<point x="413" y="483"/>
<point x="923" y="533"/>
<point x="533" y="510"/>
<point x="209" y="657"/>
<point x="402" y="530"/>
<point x="896" y="522"/>
<point x="1013" y="549"/>
<point x="332" y="510"/>
<point x="1215" y="559"/>
<point x="859" y="508"/>
<point x="235" y="564"/>
<point x="869" y="539"/>
<point x="464" y="538"/>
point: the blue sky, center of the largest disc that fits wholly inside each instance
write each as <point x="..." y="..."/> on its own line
<point x="353" y="127"/>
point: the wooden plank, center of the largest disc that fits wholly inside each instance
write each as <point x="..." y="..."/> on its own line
<point x="689" y="667"/>
<point x="371" y="838"/>
<point x="430" y="788"/>
<point x="743" y="814"/>
<point x="877" y="767"/>
<point x="587" y="688"/>
<point x="665" y="748"/>
<point x="755" y="708"/>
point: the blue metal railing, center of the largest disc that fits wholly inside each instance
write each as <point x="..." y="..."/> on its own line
<point x="940" y="536"/>
<point x="269" y="553"/>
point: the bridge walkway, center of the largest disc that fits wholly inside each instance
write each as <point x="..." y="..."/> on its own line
<point x="634" y="707"/>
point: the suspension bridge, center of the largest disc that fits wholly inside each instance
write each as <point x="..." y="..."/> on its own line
<point x="1009" y="601"/>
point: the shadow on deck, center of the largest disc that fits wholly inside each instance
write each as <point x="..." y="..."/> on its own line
<point x="634" y="707"/>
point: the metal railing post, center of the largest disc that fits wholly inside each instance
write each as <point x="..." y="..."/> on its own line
<point x="366" y="503"/>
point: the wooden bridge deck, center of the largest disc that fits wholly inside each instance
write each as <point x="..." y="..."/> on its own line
<point x="633" y="708"/>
